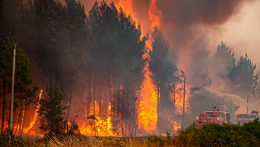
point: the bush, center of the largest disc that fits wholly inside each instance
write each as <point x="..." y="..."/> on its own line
<point x="216" y="135"/>
<point x="253" y="128"/>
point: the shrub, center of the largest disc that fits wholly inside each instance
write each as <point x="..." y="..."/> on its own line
<point x="216" y="135"/>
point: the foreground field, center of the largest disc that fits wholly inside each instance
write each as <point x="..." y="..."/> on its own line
<point x="209" y="135"/>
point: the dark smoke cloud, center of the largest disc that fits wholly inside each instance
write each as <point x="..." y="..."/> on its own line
<point x="182" y="19"/>
<point x="188" y="12"/>
<point x="188" y="24"/>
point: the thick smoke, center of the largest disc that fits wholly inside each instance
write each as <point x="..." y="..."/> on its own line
<point x="188" y="26"/>
<point x="189" y="12"/>
<point x="182" y="19"/>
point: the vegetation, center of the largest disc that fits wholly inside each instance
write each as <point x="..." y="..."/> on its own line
<point x="163" y="66"/>
<point x="209" y="135"/>
<point x="100" y="53"/>
<point x="226" y="135"/>
<point x="24" y="86"/>
<point x="97" y="58"/>
<point x="241" y="74"/>
<point x="52" y="118"/>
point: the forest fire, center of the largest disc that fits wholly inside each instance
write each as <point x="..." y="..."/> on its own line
<point x="148" y="103"/>
<point x="95" y="125"/>
<point x="116" y="72"/>
<point x="178" y="97"/>
<point x="29" y="130"/>
<point x="154" y="14"/>
<point x="127" y="6"/>
<point x="100" y="116"/>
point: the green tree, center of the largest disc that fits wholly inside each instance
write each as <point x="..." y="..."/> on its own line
<point x="224" y="61"/>
<point x="164" y="75"/>
<point x="115" y="59"/>
<point x="51" y="112"/>
<point x="74" y="53"/>
<point x="243" y="76"/>
<point x="24" y="86"/>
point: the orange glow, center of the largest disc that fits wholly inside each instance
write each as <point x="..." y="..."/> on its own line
<point x="176" y="126"/>
<point x="94" y="108"/>
<point x="154" y="14"/>
<point x="33" y="121"/>
<point x="147" y="108"/>
<point x="95" y="125"/>
<point x="127" y="6"/>
<point x="178" y="98"/>
<point x="147" y="105"/>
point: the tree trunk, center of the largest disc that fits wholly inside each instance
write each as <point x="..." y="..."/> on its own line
<point x="21" y="120"/>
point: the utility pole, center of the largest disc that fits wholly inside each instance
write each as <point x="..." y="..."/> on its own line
<point x="247" y="105"/>
<point x="183" y="104"/>
<point x="12" y="94"/>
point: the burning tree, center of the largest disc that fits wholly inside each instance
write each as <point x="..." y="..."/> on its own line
<point x="164" y="75"/>
<point x="24" y="87"/>
<point x="51" y="112"/>
<point x="115" y="67"/>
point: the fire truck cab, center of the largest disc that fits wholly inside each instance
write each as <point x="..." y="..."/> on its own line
<point x="212" y="117"/>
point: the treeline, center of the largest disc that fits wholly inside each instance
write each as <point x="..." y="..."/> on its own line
<point x="98" y="56"/>
<point x="239" y="75"/>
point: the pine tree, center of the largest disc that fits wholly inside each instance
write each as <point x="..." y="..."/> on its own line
<point x="24" y="86"/>
<point x="51" y="112"/>
<point x="164" y="76"/>
<point x="243" y="76"/>
<point x="224" y="61"/>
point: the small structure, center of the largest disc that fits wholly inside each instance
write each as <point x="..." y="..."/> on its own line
<point x="212" y="117"/>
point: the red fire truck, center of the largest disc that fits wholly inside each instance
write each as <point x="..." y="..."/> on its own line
<point x="212" y="117"/>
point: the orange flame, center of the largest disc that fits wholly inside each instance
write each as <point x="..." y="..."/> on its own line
<point x="96" y="126"/>
<point x="178" y="100"/>
<point x="176" y="126"/>
<point x="154" y="14"/>
<point x="94" y="108"/>
<point x="147" y="108"/>
<point x="33" y="121"/>
<point x="127" y="6"/>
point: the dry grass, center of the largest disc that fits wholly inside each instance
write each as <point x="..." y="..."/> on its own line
<point x="82" y="141"/>
<point x="79" y="141"/>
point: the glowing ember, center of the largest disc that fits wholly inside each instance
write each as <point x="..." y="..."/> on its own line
<point x="33" y="121"/>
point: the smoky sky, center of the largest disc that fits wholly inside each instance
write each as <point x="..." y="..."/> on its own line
<point x="188" y="12"/>
<point x="182" y="19"/>
<point x="187" y="24"/>
<point x="184" y="13"/>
